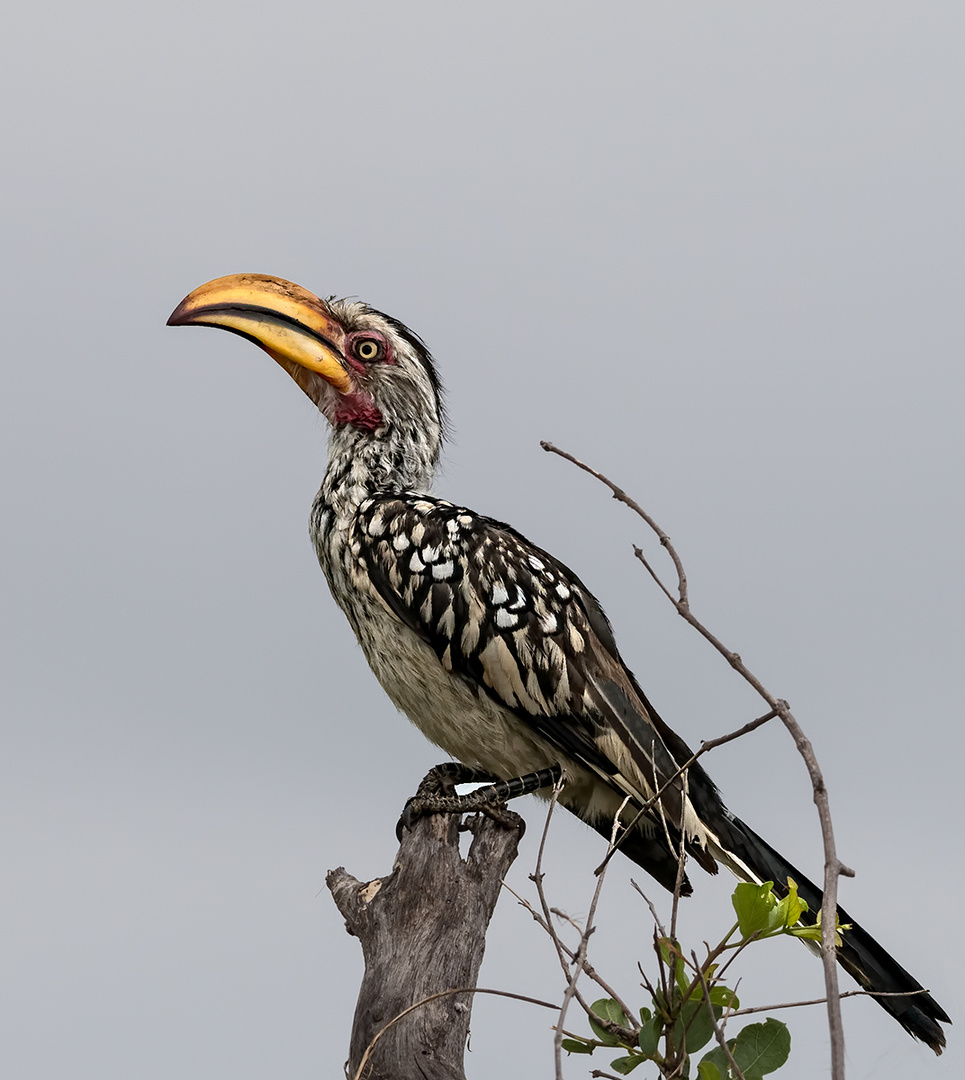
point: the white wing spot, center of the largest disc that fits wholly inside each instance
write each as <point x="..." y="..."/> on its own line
<point x="548" y="624"/>
<point x="505" y="620"/>
<point x="500" y="596"/>
<point x="443" y="571"/>
<point x="562" y="591"/>
<point x="400" y="543"/>
<point x="416" y="565"/>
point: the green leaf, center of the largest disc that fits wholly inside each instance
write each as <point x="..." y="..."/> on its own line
<point x="626" y="1065"/>
<point x="671" y="956"/>
<point x="762" y="1048"/>
<point x="575" y="1046"/>
<point x="724" y="996"/>
<point x="603" y="1035"/>
<point x="755" y="906"/>
<point x="608" y="1009"/>
<point x="649" y="1036"/>
<point x="707" y="1070"/>
<point x="718" y="1060"/>
<point x="694" y="1027"/>
<point x="792" y="907"/>
<point x="645" y="1015"/>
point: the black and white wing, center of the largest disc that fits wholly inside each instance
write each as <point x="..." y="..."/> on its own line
<point x="510" y="618"/>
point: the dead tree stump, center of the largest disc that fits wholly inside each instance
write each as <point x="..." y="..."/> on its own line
<point x="423" y="931"/>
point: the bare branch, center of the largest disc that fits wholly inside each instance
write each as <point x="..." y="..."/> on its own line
<point x="588" y="969"/>
<point x="653" y="910"/>
<point x="833" y="867"/>
<point x="622" y="496"/>
<point x="580" y="959"/>
<point x="681" y="857"/>
<point x="565" y="955"/>
<point x="824" y="1000"/>
<point x="718" y="1032"/>
<point x="537" y="878"/>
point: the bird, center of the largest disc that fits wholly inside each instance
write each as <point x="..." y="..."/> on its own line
<point x="492" y="647"/>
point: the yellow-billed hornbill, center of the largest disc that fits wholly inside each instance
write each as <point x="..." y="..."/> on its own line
<point x="492" y="647"/>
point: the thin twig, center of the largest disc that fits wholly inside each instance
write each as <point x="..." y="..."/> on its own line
<point x="434" y="997"/>
<point x="824" y="1000"/>
<point x="563" y="953"/>
<point x="588" y="969"/>
<point x="653" y="910"/>
<point x="681" y="857"/>
<point x="718" y="1032"/>
<point x="622" y="496"/>
<point x="646" y="984"/>
<point x="562" y="915"/>
<point x="705" y="746"/>
<point x="537" y="878"/>
<point x="580" y="959"/>
<point x="833" y="866"/>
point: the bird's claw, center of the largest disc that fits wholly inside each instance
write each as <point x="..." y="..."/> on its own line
<point x="414" y="809"/>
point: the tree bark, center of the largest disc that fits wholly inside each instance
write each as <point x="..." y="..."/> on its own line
<point x="422" y="931"/>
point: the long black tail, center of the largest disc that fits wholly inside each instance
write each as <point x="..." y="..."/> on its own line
<point x="860" y="955"/>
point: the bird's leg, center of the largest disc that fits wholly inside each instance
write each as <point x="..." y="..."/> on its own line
<point x="437" y="792"/>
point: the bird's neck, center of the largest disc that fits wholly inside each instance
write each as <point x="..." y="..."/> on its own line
<point x="363" y="463"/>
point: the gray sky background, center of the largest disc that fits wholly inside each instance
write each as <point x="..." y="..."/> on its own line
<point x="714" y="249"/>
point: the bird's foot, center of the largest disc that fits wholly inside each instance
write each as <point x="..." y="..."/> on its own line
<point x="437" y="793"/>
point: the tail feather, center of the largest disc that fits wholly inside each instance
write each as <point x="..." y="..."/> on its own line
<point x="860" y="954"/>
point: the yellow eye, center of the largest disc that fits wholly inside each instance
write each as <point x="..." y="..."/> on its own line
<point x="367" y="349"/>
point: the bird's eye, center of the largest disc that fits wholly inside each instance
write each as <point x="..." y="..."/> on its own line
<point x="368" y="349"/>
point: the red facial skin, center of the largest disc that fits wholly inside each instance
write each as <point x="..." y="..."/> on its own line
<point x="358" y="410"/>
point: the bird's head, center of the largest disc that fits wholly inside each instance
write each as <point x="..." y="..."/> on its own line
<point x="365" y="371"/>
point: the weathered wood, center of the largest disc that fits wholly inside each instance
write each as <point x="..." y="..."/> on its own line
<point x="422" y="931"/>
